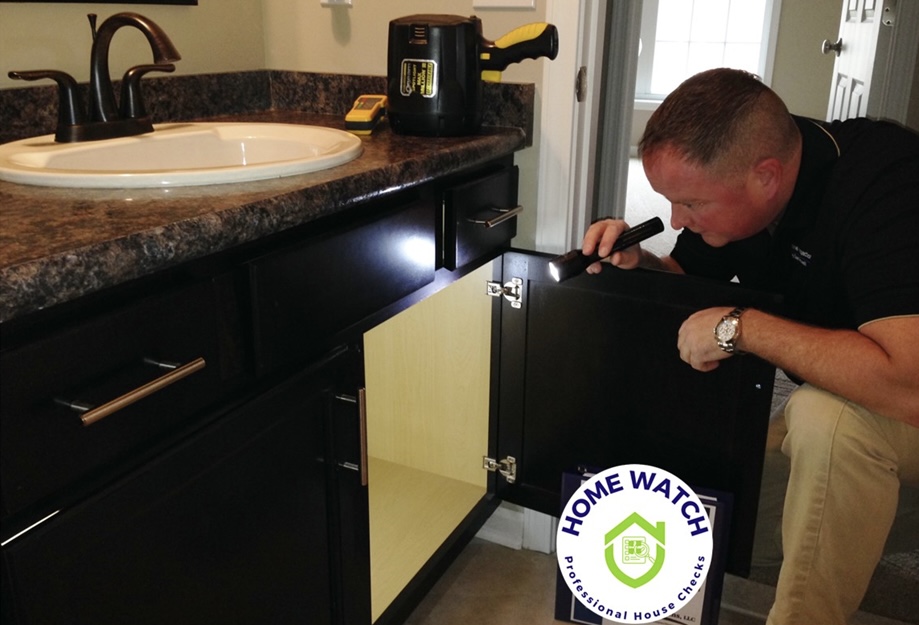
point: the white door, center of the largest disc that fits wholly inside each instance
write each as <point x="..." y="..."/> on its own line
<point x="857" y="46"/>
<point x="876" y="57"/>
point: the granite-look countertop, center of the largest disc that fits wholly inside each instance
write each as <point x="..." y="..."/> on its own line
<point x="57" y="244"/>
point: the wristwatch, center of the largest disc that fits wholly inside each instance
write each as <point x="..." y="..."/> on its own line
<point x="728" y="331"/>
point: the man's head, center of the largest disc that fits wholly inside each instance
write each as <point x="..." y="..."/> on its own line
<point x="725" y="151"/>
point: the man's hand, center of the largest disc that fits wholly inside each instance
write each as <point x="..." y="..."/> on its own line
<point x="600" y="238"/>
<point x="696" y="339"/>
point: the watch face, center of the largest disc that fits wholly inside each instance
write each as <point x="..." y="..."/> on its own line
<point x="725" y="330"/>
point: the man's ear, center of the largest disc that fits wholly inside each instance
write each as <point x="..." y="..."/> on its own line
<point x="766" y="178"/>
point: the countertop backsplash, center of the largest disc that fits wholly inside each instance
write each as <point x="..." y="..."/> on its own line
<point x="33" y="110"/>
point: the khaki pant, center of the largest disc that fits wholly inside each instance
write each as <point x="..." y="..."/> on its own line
<point x="846" y="467"/>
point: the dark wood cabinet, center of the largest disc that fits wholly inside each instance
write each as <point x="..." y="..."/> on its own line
<point x="590" y="377"/>
<point x="238" y="494"/>
<point x="229" y="526"/>
<point x="328" y="462"/>
<point x="46" y="448"/>
<point x="583" y="373"/>
<point x="306" y="293"/>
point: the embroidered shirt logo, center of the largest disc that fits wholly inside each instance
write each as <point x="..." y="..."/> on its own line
<point x="802" y="257"/>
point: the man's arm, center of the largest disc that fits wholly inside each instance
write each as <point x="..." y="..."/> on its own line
<point x="876" y="367"/>
<point x="649" y="260"/>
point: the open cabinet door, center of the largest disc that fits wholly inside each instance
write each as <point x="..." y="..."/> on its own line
<point x="588" y="374"/>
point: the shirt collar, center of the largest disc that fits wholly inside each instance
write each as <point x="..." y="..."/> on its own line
<point x="819" y="152"/>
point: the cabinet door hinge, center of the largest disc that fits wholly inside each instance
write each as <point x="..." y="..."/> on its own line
<point x="512" y="291"/>
<point x="506" y="467"/>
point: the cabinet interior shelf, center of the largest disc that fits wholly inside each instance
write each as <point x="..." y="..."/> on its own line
<point x="412" y="512"/>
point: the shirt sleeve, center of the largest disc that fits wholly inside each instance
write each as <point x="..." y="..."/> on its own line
<point x="879" y="239"/>
<point x="880" y="267"/>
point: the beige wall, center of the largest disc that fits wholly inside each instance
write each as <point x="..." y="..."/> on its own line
<point x="302" y="35"/>
<point x="233" y="35"/>
<point x="912" y="113"/>
<point x="215" y="36"/>
<point x="802" y="73"/>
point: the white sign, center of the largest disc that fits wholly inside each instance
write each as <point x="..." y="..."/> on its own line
<point x="634" y="544"/>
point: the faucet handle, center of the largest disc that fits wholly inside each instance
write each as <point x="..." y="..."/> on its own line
<point x="132" y="103"/>
<point x="70" y="110"/>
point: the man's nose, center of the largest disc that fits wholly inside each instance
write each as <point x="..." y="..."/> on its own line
<point x="679" y="218"/>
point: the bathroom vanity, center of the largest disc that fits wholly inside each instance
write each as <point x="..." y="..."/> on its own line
<point x="350" y="370"/>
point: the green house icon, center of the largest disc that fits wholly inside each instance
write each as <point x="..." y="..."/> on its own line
<point x="657" y="532"/>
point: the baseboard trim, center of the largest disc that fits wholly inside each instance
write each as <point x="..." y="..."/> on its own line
<point x="517" y="527"/>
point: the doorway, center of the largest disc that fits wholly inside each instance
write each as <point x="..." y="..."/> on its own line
<point x="677" y="39"/>
<point x="802" y="74"/>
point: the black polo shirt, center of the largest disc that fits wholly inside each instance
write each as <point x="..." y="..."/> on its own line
<point x="846" y="249"/>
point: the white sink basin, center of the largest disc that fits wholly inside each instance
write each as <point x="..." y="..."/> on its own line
<point x="179" y="154"/>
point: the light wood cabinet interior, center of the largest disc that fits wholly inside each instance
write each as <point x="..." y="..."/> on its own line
<point x="427" y="378"/>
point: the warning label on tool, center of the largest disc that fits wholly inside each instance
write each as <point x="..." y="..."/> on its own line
<point x="419" y="76"/>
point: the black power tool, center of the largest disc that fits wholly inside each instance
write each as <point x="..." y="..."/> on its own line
<point x="436" y="66"/>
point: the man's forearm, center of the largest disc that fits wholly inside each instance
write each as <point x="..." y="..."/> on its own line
<point x="845" y="362"/>
<point x="649" y="260"/>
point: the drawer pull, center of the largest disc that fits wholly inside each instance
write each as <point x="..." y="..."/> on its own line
<point x="361" y="401"/>
<point x="91" y="414"/>
<point x="503" y="215"/>
<point x="362" y="414"/>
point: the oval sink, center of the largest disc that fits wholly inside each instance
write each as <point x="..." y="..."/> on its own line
<point x="179" y="154"/>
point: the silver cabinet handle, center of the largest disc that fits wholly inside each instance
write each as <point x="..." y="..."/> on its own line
<point x="91" y="414"/>
<point x="503" y="215"/>
<point x="361" y="401"/>
<point x="362" y="411"/>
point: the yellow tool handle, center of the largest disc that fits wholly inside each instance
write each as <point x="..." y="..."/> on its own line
<point x="530" y="41"/>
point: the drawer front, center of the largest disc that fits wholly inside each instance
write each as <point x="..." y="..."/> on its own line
<point x="129" y="361"/>
<point x="480" y="217"/>
<point x="304" y="295"/>
<point x="230" y="526"/>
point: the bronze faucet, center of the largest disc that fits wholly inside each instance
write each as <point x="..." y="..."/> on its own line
<point x="104" y="119"/>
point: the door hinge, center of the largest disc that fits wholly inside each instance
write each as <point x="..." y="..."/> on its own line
<point x="506" y="467"/>
<point x="512" y="291"/>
